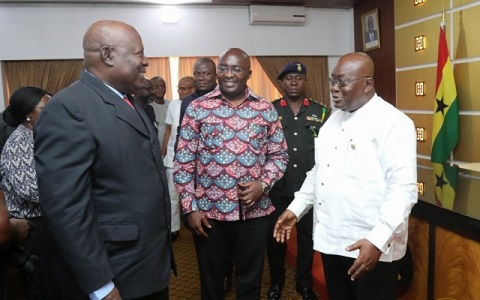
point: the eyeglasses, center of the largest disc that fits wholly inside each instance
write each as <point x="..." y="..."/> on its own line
<point x="233" y="69"/>
<point x="40" y="107"/>
<point x="343" y="82"/>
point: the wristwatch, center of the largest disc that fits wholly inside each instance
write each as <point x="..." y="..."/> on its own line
<point x="265" y="186"/>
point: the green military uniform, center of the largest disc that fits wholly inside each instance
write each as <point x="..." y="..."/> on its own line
<point x="300" y="132"/>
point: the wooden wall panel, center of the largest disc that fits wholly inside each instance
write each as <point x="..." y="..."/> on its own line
<point x="457" y="271"/>
<point x="418" y="242"/>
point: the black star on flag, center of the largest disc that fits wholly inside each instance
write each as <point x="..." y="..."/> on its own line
<point x="441" y="106"/>
<point x="440" y="181"/>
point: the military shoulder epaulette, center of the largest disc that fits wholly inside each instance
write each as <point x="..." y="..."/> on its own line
<point x="276" y="100"/>
<point x="321" y="104"/>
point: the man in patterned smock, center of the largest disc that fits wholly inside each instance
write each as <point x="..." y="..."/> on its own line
<point x="231" y="150"/>
<point x="301" y="120"/>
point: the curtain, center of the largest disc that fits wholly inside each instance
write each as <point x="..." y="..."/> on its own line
<point x="260" y="82"/>
<point x="51" y="75"/>
<point x="54" y="75"/>
<point x="160" y="66"/>
<point x="317" y="74"/>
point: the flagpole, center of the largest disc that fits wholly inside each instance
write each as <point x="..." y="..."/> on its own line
<point x="442" y="24"/>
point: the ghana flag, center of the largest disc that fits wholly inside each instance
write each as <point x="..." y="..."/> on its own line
<point x="445" y="131"/>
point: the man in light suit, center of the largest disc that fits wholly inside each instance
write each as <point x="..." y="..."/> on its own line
<point x="111" y="229"/>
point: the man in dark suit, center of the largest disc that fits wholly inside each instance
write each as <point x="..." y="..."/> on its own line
<point x="91" y="147"/>
<point x="371" y="35"/>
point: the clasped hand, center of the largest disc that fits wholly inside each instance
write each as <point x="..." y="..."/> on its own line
<point x="249" y="193"/>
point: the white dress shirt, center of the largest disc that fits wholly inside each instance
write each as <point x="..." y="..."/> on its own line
<point x="363" y="184"/>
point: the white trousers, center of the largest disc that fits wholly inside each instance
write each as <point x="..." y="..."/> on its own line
<point x="175" y="201"/>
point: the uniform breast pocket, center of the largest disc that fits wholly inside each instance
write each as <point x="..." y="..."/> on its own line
<point x="312" y="128"/>
<point x="212" y="136"/>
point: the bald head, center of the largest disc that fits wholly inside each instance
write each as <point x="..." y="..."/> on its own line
<point x="359" y="62"/>
<point x="105" y="33"/>
<point x="237" y="52"/>
<point x="233" y="72"/>
<point x="113" y="52"/>
<point x="186" y="86"/>
<point x="353" y="85"/>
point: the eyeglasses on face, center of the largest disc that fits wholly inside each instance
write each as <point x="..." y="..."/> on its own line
<point x="233" y="69"/>
<point x="343" y="82"/>
<point x="40" y="107"/>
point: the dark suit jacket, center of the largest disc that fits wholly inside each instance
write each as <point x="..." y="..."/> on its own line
<point x="367" y="36"/>
<point x="103" y="190"/>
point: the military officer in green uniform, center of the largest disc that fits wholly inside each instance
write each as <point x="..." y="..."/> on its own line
<point x="301" y="120"/>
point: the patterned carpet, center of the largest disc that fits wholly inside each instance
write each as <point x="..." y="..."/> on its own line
<point x="187" y="285"/>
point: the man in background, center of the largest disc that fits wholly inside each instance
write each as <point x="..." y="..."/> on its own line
<point x="362" y="187"/>
<point x="144" y="96"/>
<point x="160" y="106"/>
<point x="205" y="81"/>
<point x="371" y="35"/>
<point x="92" y="144"/>
<point x="301" y="120"/>
<point x="186" y="86"/>
<point x="231" y="149"/>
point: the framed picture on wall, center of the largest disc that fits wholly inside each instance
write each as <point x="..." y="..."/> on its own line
<point x="371" y="30"/>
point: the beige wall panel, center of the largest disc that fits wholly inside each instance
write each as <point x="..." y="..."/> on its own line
<point x="466" y="195"/>
<point x="418" y="241"/>
<point x="469" y="144"/>
<point x="467" y="77"/>
<point x="457" y="271"/>
<point x="426" y="122"/>
<point x="426" y="176"/>
<point x="457" y="3"/>
<point x="466" y="24"/>
<point x="405" y="54"/>
<point x="406" y="98"/>
<point x="405" y="11"/>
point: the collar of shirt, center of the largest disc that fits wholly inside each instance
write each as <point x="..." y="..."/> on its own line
<point x="109" y="86"/>
<point x="249" y="94"/>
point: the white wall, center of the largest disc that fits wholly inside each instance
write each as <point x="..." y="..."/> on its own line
<point x="55" y="31"/>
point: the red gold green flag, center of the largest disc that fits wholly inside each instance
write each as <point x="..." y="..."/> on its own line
<point x="445" y="131"/>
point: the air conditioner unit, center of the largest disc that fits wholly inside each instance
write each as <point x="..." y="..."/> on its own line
<point x="277" y="15"/>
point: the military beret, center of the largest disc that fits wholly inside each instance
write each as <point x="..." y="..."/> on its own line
<point x="293" y="68"/>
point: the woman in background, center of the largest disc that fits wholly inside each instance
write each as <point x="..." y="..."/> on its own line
<point x="31" y="253"/>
